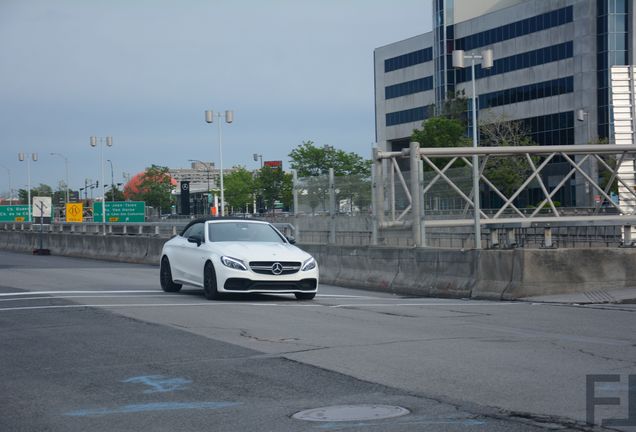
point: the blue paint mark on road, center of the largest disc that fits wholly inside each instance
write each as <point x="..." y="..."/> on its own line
<point x="138" y="408"/>
<point x="159" y="383"/>
<point x="334" y="426"/>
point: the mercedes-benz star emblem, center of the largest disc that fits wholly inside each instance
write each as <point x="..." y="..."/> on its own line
<point x="277" y="268"/>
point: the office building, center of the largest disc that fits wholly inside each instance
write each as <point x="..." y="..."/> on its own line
<point x="551" y="70"/>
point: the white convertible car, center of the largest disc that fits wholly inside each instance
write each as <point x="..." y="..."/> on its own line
<point x="237" y="256"/>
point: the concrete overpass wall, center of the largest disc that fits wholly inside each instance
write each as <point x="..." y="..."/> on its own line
<point x="488" y="274"/>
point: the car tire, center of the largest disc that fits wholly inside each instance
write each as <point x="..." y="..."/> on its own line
<point x="305" y="296"/>
<point x="165" y="277"/>
<point x="209" y="282"/>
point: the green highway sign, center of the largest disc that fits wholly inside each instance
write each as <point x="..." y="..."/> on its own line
<point x="14" y="213"/>
<point x="120" y="211"/>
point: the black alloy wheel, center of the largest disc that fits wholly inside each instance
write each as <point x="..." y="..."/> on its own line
<point x="165" y="277"/>
<point x="209" y="282"/>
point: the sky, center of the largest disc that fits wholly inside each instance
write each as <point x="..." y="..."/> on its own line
<point x="144" y="72"/>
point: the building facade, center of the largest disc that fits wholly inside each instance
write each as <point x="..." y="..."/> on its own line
<point x="551" y="71"/>
<point x="205" y="180"/>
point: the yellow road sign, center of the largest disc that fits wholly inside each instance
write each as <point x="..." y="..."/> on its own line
<point x="74" y="212"/>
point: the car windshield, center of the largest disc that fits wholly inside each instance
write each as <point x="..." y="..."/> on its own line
<point x="243" y="232"/>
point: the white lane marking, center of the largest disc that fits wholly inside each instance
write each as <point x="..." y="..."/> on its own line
<point x="29" y="293"/>
<point x="163" y="295"/>
<point x="205" y="304"/>
<point x="75" y="292"/>
<point x="83" y="296"/>
<point x="133" y="305"/>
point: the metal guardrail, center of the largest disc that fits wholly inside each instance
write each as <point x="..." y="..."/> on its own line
<point x="572" y="232"/>
<point x="156" y="229"/>
<point x="389" y="217"/>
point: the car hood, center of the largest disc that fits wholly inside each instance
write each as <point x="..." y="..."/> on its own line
<point x="250" y="251"/>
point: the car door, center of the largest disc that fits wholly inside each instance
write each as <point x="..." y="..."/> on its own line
<point x="193" y="255"/>
<point x="175" y="253"/>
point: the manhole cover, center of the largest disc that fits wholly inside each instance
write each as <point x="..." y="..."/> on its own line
<point x="346" y="413"/>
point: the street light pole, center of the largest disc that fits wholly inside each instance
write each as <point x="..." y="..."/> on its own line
<point x="34" y="157"/>
<point x="109" y="142"/>
<point x="229" y="118"/>
<point x="112" y="181"/>
<point x="66" y="171"/>
<point x="487" y="62"/>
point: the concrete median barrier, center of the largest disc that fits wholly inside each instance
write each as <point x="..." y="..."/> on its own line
<point x="485" y="274"/>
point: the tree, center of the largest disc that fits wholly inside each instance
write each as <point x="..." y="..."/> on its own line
<point x="312" y="164"/>
<point x="441" y="132"/>
<point x="309" y="160"/>
<point x="42" y="190"/>
<point x="274" y="185"/>
<point x="455" y="106"/>
<point x="155" y="188"/>
<point x="507" y="173"/>
<point x="118" y="194"/>
<point x="239" y="187"/>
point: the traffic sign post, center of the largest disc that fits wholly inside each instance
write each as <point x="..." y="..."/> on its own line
<point x="121" y="211"/>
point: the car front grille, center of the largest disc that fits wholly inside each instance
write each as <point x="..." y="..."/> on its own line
<point x="266" y="267"/>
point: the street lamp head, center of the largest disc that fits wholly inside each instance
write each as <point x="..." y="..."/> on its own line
<point x="229" y="116"/>
<point x="458" y="58"/>
<point x="34" y="156"/>
<point x="109" y="141"/>
<point x="209" y="116"/>
<point x="21" y="157"/>
<point x="487" y="59"/>
<point x="93" y="141"/>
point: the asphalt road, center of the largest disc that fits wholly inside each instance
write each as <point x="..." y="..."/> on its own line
<point x="97" y="346"/>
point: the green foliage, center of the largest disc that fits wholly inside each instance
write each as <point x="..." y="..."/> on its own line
<point x="155" y="188"/>
<point x="43" y="190"/>
<point x="274" y="185"/>
<point x="309" y="160"/>
<point x="239" y="188"/>
<point x="118" y="195"/>
<point x="441" y="132"/>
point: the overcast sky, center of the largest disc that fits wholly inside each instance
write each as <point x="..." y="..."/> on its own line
<point x="145" y="71"/>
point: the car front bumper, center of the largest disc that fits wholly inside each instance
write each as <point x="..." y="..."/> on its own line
<point x="246" y="281"/>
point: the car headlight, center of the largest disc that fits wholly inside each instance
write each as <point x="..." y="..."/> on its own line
<point x="309" y="264"/>
<point x="233" y="263"/>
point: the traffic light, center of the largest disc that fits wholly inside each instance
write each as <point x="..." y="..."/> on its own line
<point x="96" y="183"/>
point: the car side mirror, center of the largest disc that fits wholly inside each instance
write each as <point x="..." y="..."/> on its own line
<point x="291" y="239"/>
<point x="194" y="239"/>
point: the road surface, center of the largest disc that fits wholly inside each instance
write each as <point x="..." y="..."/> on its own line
<point x="90" y="345"/>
